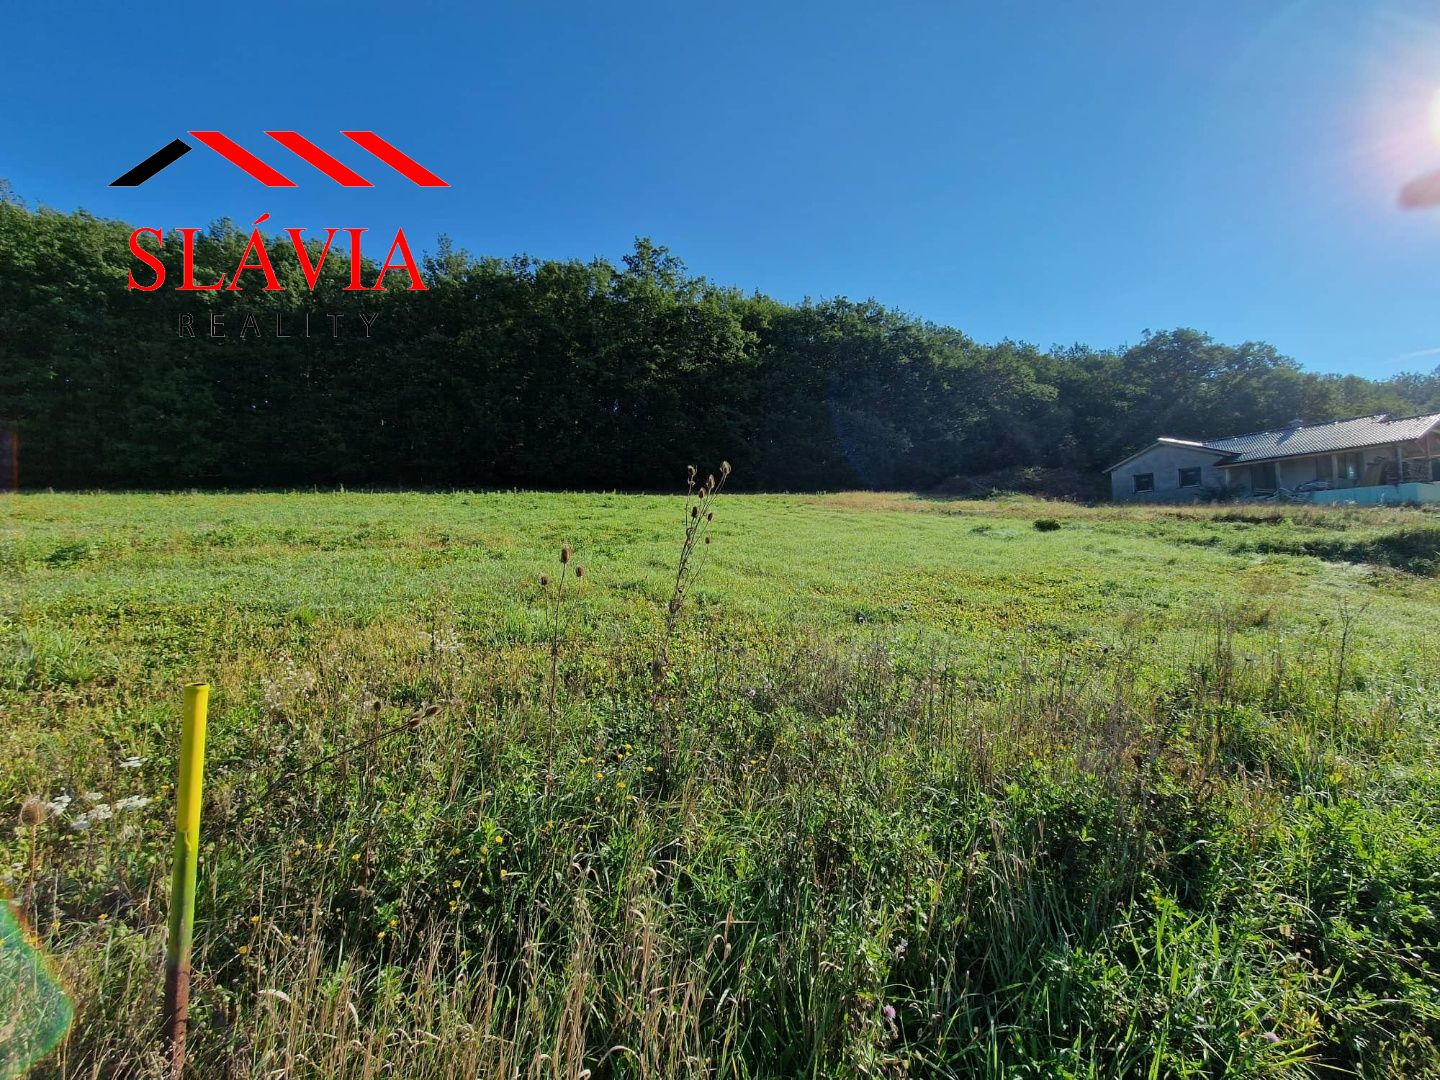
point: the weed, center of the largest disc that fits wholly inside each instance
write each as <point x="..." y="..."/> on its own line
<point x="1113" y="807"/>
<point x="557" y="615"/>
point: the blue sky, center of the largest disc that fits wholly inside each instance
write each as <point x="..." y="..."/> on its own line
<point x="1047" y="172"/>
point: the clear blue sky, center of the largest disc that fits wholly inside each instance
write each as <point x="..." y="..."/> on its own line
<point x="1053" y="172"/>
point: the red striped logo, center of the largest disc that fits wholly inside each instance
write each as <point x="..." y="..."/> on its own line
<point x="298" y="145"/>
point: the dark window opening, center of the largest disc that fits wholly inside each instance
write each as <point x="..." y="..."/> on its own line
<point x="1190" y="477"/>
<point x="1324" y="468"/>
<point x="1145" y="481"/>
<point x="1262" y="477"/>
<point x="1435" y="470"/>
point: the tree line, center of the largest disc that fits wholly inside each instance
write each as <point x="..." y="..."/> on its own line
<point x="569" y="374"/>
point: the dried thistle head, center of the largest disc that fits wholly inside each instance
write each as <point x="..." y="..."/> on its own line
<point x="710" y="482"/>
<point x="414" y="719"/>
<point x="690" y="473"/>
<point x="710" y="516"/>
<point x="564" y="554"/>
<point x="694" y="511"/>
<point x="33" y="812"/>
<point x="579" y="571"/>
<point x="544" y="581"/>
<point x="707" y="539"/>
<point x="724" y="469"/>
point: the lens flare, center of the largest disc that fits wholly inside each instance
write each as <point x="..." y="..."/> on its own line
<point x="33" y="1001"/>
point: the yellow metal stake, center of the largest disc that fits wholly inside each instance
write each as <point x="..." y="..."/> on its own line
<point x="182" y="882"/>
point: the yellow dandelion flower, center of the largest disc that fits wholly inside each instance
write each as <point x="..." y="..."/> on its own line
<point x="455" y="884"/>
<point x="620" y="786"/>
<point x="254" y="918"/>
<point x="104" y="917"/>
<point x="244" y="950"/>
<point x="499" y="839"/>
<point x="355" y="857"/>
<point x="503" y="875"/>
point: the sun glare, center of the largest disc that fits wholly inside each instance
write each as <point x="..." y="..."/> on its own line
<point x="1435" y="115"/>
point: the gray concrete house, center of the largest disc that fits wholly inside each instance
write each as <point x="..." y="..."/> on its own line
<point x="1367" y="460"/>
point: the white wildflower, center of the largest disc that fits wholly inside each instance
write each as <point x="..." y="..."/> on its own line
<point x="446" y="641"/>
<point x="292" y="682"/>
<point x="133" y="802"/>
<point x="132" y="763"/>
<point x="101" y="812"/>
<point x="80" y="824"/>
<point x="58" y="804"/>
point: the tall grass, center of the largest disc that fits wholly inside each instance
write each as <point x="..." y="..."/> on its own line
<point x="1151" y="844"/>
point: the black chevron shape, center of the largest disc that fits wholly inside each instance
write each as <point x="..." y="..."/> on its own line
<point x="166" y="155"/>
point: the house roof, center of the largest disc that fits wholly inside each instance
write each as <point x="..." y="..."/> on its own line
<point x="1336" y="436"/>
<point x="1165" y="440"/>
<point x="1299" y="440"/>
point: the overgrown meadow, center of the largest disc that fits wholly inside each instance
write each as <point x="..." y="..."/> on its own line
<point x="887" y="787"/>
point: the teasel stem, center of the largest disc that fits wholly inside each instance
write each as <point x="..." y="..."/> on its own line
<point x="556" y="615"/>
<point x="410" y="723"/>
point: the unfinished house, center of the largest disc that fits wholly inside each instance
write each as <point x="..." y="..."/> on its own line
<point x="1369" y="460"/>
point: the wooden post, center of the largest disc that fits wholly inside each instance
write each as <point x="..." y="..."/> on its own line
<point x="182" y="881"/>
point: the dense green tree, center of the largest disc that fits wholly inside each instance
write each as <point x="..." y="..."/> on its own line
<point x="566" y="374"/>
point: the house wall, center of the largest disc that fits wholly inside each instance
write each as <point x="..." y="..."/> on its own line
<point x="1165" y="463"/>
<point x="1295" y="472"/>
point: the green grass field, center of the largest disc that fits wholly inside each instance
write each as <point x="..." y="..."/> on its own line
<point x="923" y="790"/>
